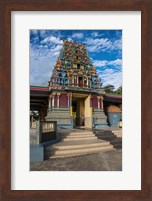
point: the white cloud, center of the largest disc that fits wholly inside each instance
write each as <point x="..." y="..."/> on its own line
<point x="56" y="53"/>
<point x="52" y="39"/>
<point x="110" y="76"/>
<point x="98" y="63"/>
<point x="41" y="67"/>
<point x="96" y="34"/>
<point x="43" y="58"/>
<point x="56" y="48"/>
<point x="103" y="44"/>
<point x="117" y="62"/>
<point x="70" y="39"/>
<point x="77" y="35"/>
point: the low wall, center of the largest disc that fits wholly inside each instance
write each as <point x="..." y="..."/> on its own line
<point x="41" y="133"/>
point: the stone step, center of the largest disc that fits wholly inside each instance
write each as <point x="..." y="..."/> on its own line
<point x="117" y="143"/>
<point x="79" y="138"/>
<point x="105" y="135"/>
<point x="117" y="146"/>
<point x="64" y="146"/>
<point x="115" y="138"/>
<point x="107" y="138"/>
<point x="118" y="133"/>
<point x="63" y="153"/>
<point x="104" y="132"/>
<point x="77" y="133"/>
<point x="111" y="137"/>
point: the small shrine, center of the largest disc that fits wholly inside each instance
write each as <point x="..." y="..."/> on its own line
<point x="76" y="96"/>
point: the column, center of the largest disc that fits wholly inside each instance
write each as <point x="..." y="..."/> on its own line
<point x="98" y="102"/>
<point x="70" y="103"/>
<point x="90" y="101"/>
<point x="72" y="80"/>
<point x="88" y="112"/>
<point x="102" y="103"/>
<point x="52" y="102"/>
<point x="68" y="100"/>
<point x="90" y="83"/>
<point x="58" y="100"/>
<point x="77" y="81"/>
<point x="87" y="82"/>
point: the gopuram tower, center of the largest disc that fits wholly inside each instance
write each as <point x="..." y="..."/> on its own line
<point x="76" y="97"/>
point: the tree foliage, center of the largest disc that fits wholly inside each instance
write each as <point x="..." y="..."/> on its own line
<point x="110" y="89"/>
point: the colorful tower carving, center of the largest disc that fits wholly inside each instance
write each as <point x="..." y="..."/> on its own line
<point x="76" y="97"/>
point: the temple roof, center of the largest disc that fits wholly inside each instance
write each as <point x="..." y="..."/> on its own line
<point x="44" y="91"/>
<point x="74" y="68"/>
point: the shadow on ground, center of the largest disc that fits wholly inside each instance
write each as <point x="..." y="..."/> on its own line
<point x="102" y="161"/>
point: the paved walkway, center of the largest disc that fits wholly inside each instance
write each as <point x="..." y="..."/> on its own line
<point x="102" y="161"/>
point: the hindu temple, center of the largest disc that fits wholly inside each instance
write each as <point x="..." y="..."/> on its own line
<point x="75" y="90"/>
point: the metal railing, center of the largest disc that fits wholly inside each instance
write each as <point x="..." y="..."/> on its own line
<point x="48" y="126"/>
<point x="48" y="131"/>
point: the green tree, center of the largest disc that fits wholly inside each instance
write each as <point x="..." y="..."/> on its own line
<point x="109" y="89"/>
<point x="119" y="91"/>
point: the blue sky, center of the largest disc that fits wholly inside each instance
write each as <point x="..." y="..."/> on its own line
<point x="104" y="48"/>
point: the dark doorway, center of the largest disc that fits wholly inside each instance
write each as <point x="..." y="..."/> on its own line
<point x="78" y="65"/>
<point x="74" y="112"/>
<point x="80" y="81"/>
<point x="78" y="112"/>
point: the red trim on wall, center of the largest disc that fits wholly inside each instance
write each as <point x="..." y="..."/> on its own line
<point x="63" y="100"/>
<point x="94" y="102"/>
<point x="55" y="101"/>
<point x="113" y="96"/>
<point x="39" y="88"/>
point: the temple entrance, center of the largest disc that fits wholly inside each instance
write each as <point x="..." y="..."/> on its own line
<point x="78" y="112"/>
<point x="81" y="110"/>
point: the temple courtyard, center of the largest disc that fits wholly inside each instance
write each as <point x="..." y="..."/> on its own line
<point x="101" y="161"/>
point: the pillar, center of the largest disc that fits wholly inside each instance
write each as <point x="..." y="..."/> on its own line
<point x="101" y="103"/>
<point x="87" y="82"/>
<point x="53" y="101"/>
<point x="58" y="100"/>
<point x="98" y="102"/>
<point x="90" y="84"/>
<point x="88" y="113"/>
<point x="70" y="107"/>
<point x="50" y="103"/>
<point x="72" y="80"/>
<point x="70" y="104"/>
<point x="68" y="100"/>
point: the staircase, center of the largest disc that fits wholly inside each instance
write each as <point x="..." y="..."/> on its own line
<point x="118" y="133"/>
<point x="113" y="137"/>
<point x="76" y="142"/>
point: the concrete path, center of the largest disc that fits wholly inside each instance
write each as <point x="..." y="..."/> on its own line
<point x="107" y="161"/>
